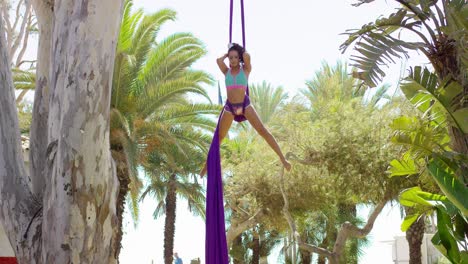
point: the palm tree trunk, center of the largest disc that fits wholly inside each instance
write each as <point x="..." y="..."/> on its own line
<point x="255" y="248"/>
<point x="122" y="174"/>
<point x="237" y="243"/>
<point x="460" y="145"/>
<point x="353" y="251"/>
<point x="306" y="257"/>
<point x="414" y="236"/>
<point x="448" y="63"/>
<point x="330" y="238"/>
<point x="169" y="225"/>
<point x="322" y="259"/>
<point x="349" y="256"/>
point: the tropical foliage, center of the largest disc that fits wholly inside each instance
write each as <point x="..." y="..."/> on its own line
<point x="437" y="144"/>
<point x="341" y="146"/>
<point x="153" y="123"/>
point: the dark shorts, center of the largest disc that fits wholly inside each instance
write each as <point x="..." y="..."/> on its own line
<point x="237" y="109"/>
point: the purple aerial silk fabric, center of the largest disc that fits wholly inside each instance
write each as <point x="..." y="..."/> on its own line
<point x="216" y="251"/>
<point x="215" y="244"/>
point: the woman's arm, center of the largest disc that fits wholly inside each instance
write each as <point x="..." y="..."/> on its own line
<point x="247" y="65"/>
<point x="222" y="66"/>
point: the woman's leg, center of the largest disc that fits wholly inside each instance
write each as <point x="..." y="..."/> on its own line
<point x="224" y="125"/>
<point x="255" y="121"/>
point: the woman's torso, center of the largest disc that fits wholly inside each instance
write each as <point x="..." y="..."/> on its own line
<point x="236" y="85"/>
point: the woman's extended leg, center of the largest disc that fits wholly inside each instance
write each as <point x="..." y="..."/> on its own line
<point x="255" y="121"/>
<point x="224" y="125"/>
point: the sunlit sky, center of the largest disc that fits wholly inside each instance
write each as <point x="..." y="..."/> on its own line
<point x="288" y="42"/>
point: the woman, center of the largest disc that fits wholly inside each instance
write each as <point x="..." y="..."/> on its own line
<point x="238" y="102"/>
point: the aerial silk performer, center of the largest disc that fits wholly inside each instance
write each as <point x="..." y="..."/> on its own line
<point x="238" y="108"/>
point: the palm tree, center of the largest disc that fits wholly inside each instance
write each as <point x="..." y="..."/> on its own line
<point x="254" y="245"/>
<point x="169" y="168"/>
<point x="330" y="83"/>
<point x="150" y="81"/>
<point x="267" y="100"/>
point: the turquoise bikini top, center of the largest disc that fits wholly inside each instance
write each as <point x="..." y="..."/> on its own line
<point x="237" y="81"/>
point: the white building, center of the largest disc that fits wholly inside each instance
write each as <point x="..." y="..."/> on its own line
<point x="400" y="250"/>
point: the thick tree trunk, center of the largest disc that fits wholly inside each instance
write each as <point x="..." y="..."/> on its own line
<point x="79" y="215"/>
<point x="169" y="225"/>
<point x="75" y="221"/>
<point x="79" y="212"/>
<point x="414" y="236"/>
<point x="19" y="208"/>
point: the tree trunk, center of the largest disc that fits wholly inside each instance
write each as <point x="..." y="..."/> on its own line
<point x="169" y="225"/>
<point x="447" y="62"/>
<point x="329" y="239"/>
<point x="237" y="245"/>
<point x="120" y="159"/>
<point x="19" y="207"/>
<point x="325" y="243"/>
<point x="348" y="212"/>
<point x="414" y="236"/>
<point x="38" y="134"/>
<point x="306" y="257"/>
<point x="79" y="201"/>
<point x="76" y="219"/>
<point x="255" y="248"/>
<point x="286" y="250"/>
<point x="459" y="141"/>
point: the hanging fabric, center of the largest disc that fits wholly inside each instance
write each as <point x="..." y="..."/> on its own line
<point x="216" y="251"/>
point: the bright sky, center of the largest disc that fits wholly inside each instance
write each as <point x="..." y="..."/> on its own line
<point x="288" y="41"/>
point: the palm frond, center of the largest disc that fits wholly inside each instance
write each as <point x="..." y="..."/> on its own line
<point x="144" y="36"/>
<point x="267" y="99"/>
<point x="129" y="21"/>
<point x="178" y="49"/>
<point x="377" y="47"/>
<point x="158" y="96"/>
<point x="195" y="196"/>
<point x="188" y="110"/>
<point x="376" y="50"/>
<point x="380" y="94"/>
<point x="132" y="201"/>
<point x="24" y="80"/>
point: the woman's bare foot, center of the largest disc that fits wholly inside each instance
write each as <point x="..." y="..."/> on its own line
<point x="286" y="165"/>
<point x="203" y="171"/>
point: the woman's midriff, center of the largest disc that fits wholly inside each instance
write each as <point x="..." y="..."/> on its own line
<point x="236" y="95"/>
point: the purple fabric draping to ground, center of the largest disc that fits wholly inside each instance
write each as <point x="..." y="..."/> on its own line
<point x="215" y="244"/>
